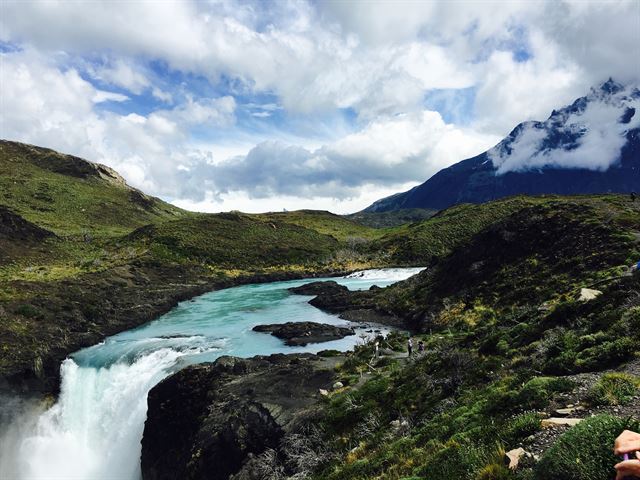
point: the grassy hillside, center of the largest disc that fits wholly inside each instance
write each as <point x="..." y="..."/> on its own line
<point x="233" y="240"/>
<point x="391" y="218"/>
<point x="508" y="341"/>
<point x="71" y="196"/>
<point x="341" y="228"/>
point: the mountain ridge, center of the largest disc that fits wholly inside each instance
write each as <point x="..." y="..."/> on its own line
<point x="573" y="152"/>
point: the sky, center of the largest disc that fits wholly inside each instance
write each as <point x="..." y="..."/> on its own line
<point x="263" y="106"/>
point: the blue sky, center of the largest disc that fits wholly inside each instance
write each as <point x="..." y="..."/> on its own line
<point x="219" y="105"/>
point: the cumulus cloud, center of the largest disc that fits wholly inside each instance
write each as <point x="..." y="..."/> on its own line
<point x="377" y="61"/>
<point x="391" y="151"/>
<point x="122" y="74"/>
<point x="46" y="106"/>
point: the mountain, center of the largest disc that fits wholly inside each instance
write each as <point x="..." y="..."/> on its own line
<point x="590" y="146"/>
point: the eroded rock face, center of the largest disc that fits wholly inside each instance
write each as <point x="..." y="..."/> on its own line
<point x="210" y="420"/>
<point x="303" y="333"/>
<point x="14" y="227"/>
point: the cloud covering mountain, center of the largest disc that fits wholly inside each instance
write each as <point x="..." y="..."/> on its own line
<point x="590" y="146"/>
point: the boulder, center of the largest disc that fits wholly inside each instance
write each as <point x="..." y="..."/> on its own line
<point x="319" y="288"/>
<point x="512" y="457"/>
<point x="303" y="333"/>
<point x="587" y="294"/>
<point x="569" y="410"/>
<point x="559" y="422"/>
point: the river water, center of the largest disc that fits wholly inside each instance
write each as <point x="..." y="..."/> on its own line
<point x="94" y="429"/>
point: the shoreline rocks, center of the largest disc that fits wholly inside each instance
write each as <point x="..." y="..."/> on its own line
<point x="356" y="306"/>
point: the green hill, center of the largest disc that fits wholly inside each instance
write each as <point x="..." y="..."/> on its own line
<point x="341" y="228"/>
<point x="71" y="196"/>
<point x="392" y="218"/>
<point x="233" y="240"/>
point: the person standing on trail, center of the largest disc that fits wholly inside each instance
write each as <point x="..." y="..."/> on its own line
<point x="410" y="345"/>
<point x="420" y="346"/>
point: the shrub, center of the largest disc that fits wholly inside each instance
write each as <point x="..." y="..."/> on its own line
<point x="614" y="389"/>
<point x="454" y="461"/>
<point x="584" y="452"/>
<point x="27" y="310"/>
<point x="329" y="353"/>
<point x="522" y="426"/>
<point x="537" y="392"/>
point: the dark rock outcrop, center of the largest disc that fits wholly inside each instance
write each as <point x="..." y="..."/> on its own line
<point x="356" y="306"/>
<point x="330" y="296"/>
<point x="212" y="420"/>
<point x="302" y="333"/>
<point x="318" y="288"/>
<point x="16" y="228"/>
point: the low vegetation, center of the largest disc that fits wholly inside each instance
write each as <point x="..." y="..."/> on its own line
<point x="506" y="335"/>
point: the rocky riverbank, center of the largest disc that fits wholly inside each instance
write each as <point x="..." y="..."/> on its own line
<point x="355" y="306"/>
<point x="72" y="314"/>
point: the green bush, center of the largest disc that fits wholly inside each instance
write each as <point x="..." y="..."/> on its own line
<point x="329" y="353"/>
<point x="538" y="391"/>
<point x="614" y="389"/>
<point x="27" y="310"/>
<point x="522" y="426"/>
<point x="466" y="461"/>
<point x="584" y="452"/>
<point x="454" y="461"/>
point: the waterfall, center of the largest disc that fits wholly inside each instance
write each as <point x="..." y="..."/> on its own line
<point x="94" y="430"/>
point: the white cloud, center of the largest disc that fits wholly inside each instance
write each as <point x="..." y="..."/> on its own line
<point x="241" y="200"/>
<point x="122" y="74"/>
<point x="103" y="96"/>
<point x="591" y="138"/>
<point x="46" y="106"/>
<point x="391" y="151"/>
<point x="161" y="95"/>
<point x="376" y="57"/>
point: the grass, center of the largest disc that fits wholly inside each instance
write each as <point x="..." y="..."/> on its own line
<point x="233" y="240"/>
<point x="614" y="389"/>
<point x="499" y="313"/>
<point x="393" y="218"/>
<point x="341" y="228"/>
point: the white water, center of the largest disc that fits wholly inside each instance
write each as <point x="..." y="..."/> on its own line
<point x="95" y="428"/>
